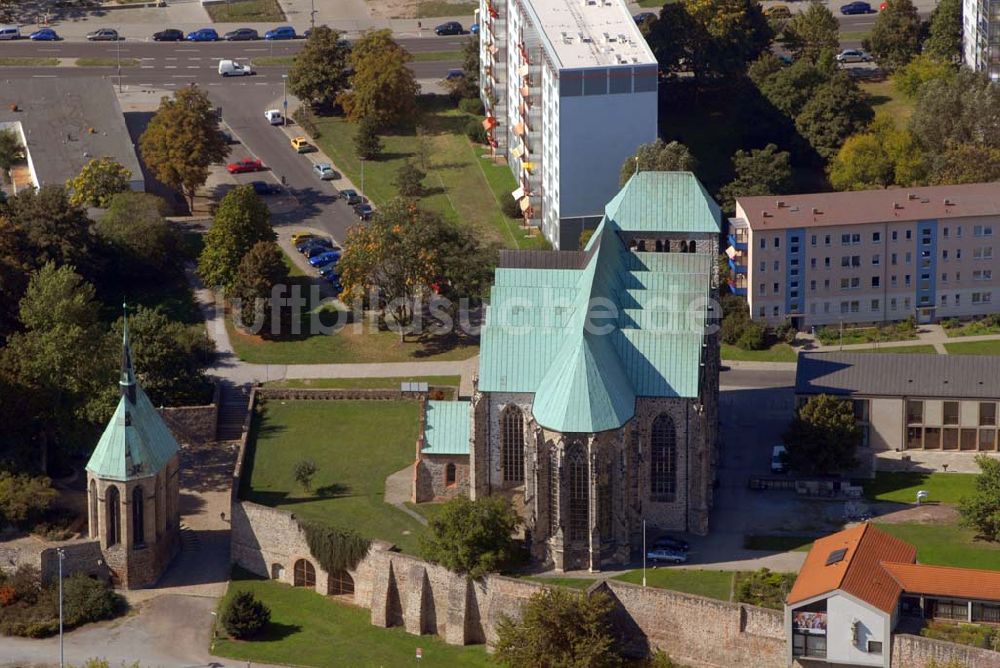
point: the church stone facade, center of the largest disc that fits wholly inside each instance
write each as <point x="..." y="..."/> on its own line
<point x="133" y="487"/>
<point x="597" y="394"/>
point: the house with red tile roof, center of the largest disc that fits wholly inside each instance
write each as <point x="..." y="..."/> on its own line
<point x="856" y="584"/>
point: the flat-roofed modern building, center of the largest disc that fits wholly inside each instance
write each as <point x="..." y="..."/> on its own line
<point x="867" y="256"/>
<point x="570" y="89"/>
<point x="981" y="36"/>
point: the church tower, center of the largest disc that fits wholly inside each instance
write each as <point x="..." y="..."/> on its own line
<point x="133" y="486"/>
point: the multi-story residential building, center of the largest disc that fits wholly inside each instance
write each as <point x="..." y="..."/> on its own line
<point x="868" y="256"/>
<point x="981" y="36"/>
<point x="570" y="89"/>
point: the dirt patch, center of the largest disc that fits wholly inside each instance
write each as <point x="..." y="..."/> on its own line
<point x="421" y="9"/>
<point x="936" y="513"/>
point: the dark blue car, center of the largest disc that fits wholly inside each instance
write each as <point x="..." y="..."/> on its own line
<point x="324" y="258"/>
<point x="856" y="8"/>
<point x="44" y="35"/>
<point x="282" y="32"/>
<point x="203" y="35"/>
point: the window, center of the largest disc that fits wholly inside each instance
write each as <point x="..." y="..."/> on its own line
<point x="914" y="412"/>
<point x="845" y="283"/>
<point x="762" y="289"/>
<point x="987" y="414"/>
<point x="958" y="231"/>
<point x="908" y="258"/>
<point x="826" y="262"/>
<point x="113" y="520"/>
<point x="812" y="263"/>
<point x="958" y="253"/>
<point x="794" y="239"/>
<point x="845" y="239"/>
<point x="763" y="267"/>
<point x="950" y="412"/>
<point x="604" y="505"/>
<point x="982" y="275"/>
<point x="946" y="233"/>
<point x="855" y="239"/>
<point x="892" y="259"/>
<point x="944" y="278"/>
<point x="986" y="612"/>
<point x="944" y="255"/>
<point x="876" y="237"/>
<point x="554" y="489"/>
<point x="761" y="312"/>
<point x="845" y="307"/>
<point x="906" y="303"/>
<point x="777" y="242"/>
<point x="949" y="439"/>
<point x="892" y="304"/>
<point x="775" y="288"/>
<point x="512" y="445"/>
<point x="93" y="511"/>
<point x="932" y="438"/>
<point x="876" y="259"/>
<point x="876" y="281"/>
<point x="845" y="261"/>
<point x="875" y="305"/>
<point x="826" y="240"/>
<point x="777" y="265"/>
<point x="812" y="286"/>
<point x="906" y="280"/>
<point x="895" y="235"/>
<point x="138" y="526"/>
<point x="774" y="311"/>
<point x="449" y="474"/>
<point x="987" y="439"/>
<point x="855" y="306"/>
<point x="763" y="243"/>
<point x="808" y="645"/>
<point x="982" y="253"/>
<point x="892" y="280"/>
<point x="663" y="459"/>
<point x="812" y="240"/>
<point x="909" y="234"/>
<point x="340" y="584"/>
<point x="826" y="307"/>
<point x="982" y="230"/>
<point x="944" y="300"/>
<point x="874" y="647"/>
<point x="579" y="488"/>
<point x="939" y="608"/>
<point x="304" y="574"/>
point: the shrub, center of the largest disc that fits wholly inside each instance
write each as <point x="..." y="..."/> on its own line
<point x="27" y="583"/>
<point x="23" y="498"/>
<point x="510" y="207"/>
<point x="7" y="595"/>
<point x="471" y="105"/>
<point x="304" y="471"/>
<point x="306" y="119"/>
<point x="475" y="131"/>
<point x="367" y="143"/>
<point x="786" y="332"/>
<point x="409" y="180"/>
<point x="753" y="336"/>
<point x="764" y="588"/>
<point x="88" y="600"/>
<point x="244" y="616"/>
<point x="335" y="549"/>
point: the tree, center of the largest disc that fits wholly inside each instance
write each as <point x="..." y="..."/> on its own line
<point x="585" y="237"/>
<point x="244" y="617"/>
<point x="15" y="263"/>
<point x="765" y="171"/>
<point x="764" y="588"/>
<point x="367" y="143"/>
<point x="241" y="220"/>
<point x="811" y="32"/>
<point x="895" y="37"/>
<point x="967" y="163"/>
<point x="474" y="537"/>
<point x="945" y="39"/>
<point x="11" y="150"/>
<point x="787" y="88"/>
<point x="467" y="85"/>
<point x="964" y="109"/>
<point x="837" y="110"/>
<point x="304" y="471"/>
<point x="559" y="627"/>
<point x="910" y="79"/>
<point x="318" y="73"/>
<point x="383" y="89"/>
<point x="169" y="357"/>
<point x="823" y="437"/>
<point x="981" y="511"/>
<point x="140" y="243"/>
<point x="658" y="156"/>
<point x="409" y="179"/>
<point x="182" y="140"/>
<point x="98" y="181"/>
<point x="879" y="158"/>
<point x="261" y="268"/>
<point x="54" y="229"/>
<point x="23" y="498"/>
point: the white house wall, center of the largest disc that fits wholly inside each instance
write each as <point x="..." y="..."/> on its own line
<point x="842" y="611"/>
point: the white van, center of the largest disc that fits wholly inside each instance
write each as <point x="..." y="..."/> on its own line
<point x="274" y="117"/>
<point x="10" y="32"/>
<point x="231" y="68"/>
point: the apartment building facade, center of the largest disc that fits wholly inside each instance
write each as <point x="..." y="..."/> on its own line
<point x="570" y="90"/>
<point x="981" y="36"/>
<point x="868" y="256"/>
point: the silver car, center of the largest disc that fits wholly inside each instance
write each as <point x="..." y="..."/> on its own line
<point x="324" y="170"/>
<point x="103" y="35"/>
<point x="853" y="56"/>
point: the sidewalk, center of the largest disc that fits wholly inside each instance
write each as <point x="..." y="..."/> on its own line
<point x="932" y="335"/>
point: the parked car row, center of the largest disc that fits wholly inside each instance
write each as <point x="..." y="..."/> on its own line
<point x="323" y="254"/>
<point x="667" y="549"/>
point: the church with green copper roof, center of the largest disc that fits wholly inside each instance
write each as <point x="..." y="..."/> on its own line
<point x="133" y="485"/>
<point x="596" y="399"/>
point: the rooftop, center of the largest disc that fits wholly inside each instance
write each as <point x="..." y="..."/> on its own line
<point x="946" y="581"/>
<point x="446" y="428"/>
<point x="778" y="212"/>
<point x="590" y="33"/>
<point x="856" y="571"/>
<point x="67" y="122"/>
<point x="895" y="375"/>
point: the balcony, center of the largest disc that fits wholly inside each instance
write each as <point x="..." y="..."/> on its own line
<point x="736" y="289"/>
<point x="737" y="241"/>
<point x="736" y="267"/>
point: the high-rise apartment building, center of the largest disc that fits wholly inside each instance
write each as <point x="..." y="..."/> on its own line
<point x="570" y="89"/>
<point x="981" y="36"/>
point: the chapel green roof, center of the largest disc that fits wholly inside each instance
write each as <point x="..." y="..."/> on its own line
<point x="664" y="202"/>
<point x="447" y="428"/>
<point x="136" y="443"/>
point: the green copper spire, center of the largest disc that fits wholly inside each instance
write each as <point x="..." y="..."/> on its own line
<point x="127" y="381"/>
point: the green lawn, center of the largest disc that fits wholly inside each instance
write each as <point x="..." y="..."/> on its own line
<point x="946" y="545"/>
<point x="712" y="584"/>
<point x="777" y="543"/>
<point x="429" y="510"/>
<point x="902" y="486"/>
<point x="367" y="383"/>
<point x="905" y="350"/>
<point x="654" y="4"/>
<point x="462" y="186"/>
<point x="424" y="56"/>
<point x="238" y="11"/>
<point x="107" y="62"/>
<point x="433" y="8"/>
<point x="572" y="583"/>
<point x="293" y="269"/>
<point x="973" y="348"/>
<point x="885" y="98"/>
<point x="779" y="352"/>
<point x="311" y="630"/>
<point x="355" y="445"/>
<point x="14" y="61"/>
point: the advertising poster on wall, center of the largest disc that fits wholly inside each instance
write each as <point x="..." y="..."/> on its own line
<point x="810" y="623"/>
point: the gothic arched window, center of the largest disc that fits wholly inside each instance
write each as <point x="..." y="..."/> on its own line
<point x="93" y="510"/>
<point x="512" y="445"/>
<point x="138" y="524"/>
<point x="114" y="515"/>
<point x="663" y="459"/>
<point x="553" y="492"/>
<point x="304" y="574"/>
<point x="579" y="494"/>
<point x="449" y="474"/>
<point x="604" y="502"/>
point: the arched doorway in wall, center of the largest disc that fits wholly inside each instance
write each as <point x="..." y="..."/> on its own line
<point x="277" y="571"/>
<point x="305" y="574"/>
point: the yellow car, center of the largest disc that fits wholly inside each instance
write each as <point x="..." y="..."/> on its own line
<point x="778" y="12"/>
<point x="302" y="145"/>
<point x="301" y="236"/>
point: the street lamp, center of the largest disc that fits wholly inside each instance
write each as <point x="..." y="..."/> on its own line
<point x="362" y="180"/>
<point x="643" y="537"/>
<point x="312" y="15"/>
<point x="118" y="59"/>
<point x="284" y="97"/>
<point x="62" y="555"/>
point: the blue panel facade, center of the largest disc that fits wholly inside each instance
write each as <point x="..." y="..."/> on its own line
<point x="927" y="232"/>
<point x="795" y="269"/>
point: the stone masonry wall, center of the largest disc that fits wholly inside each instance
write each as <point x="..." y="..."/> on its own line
<point x="430" y="480"/>
<point x="916" y="652"/>
<point x="193" y="424"/>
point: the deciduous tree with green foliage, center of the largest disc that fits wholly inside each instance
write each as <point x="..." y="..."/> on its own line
<point x="241" y="221"/>
<point x="559" y="627"/>
<point x="658" y="156"/>
<point x="98" y="181"/>
<point x="140" y="243"/>
<point x="318" y="74"/>
<point x="895" y="37"/>
<point x="367" y="143"/>
<point x="11" y="149"/>
<point x="836" y="111"/>
<point x="304" y="471"/>
<point x="787" y="88"/>
<point x="910" y="79"/>
<point x="182" y="140"/>
<point x="472" y="537"/>
<point x="964" y="109"/>
<point x="409" y="180"/>
<point x="981" y="511"/>
<point x="383" y="88"/>
<point x="967" y="163"/>
<point x="811" y="32"/>
<point x="53" y="229"/>
<point x="883" y="156"/>
<point x="261" y="268"/>
<point x="15" y="264"/>
<point x="23" y="498"/>
<point x="763" y="171"/>
<point x="945" y="39"/>
<point x="467" y="85"/>
<point x="824" y="436"/>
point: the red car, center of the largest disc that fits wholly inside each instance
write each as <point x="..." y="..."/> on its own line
<point x="241" y="166"/>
